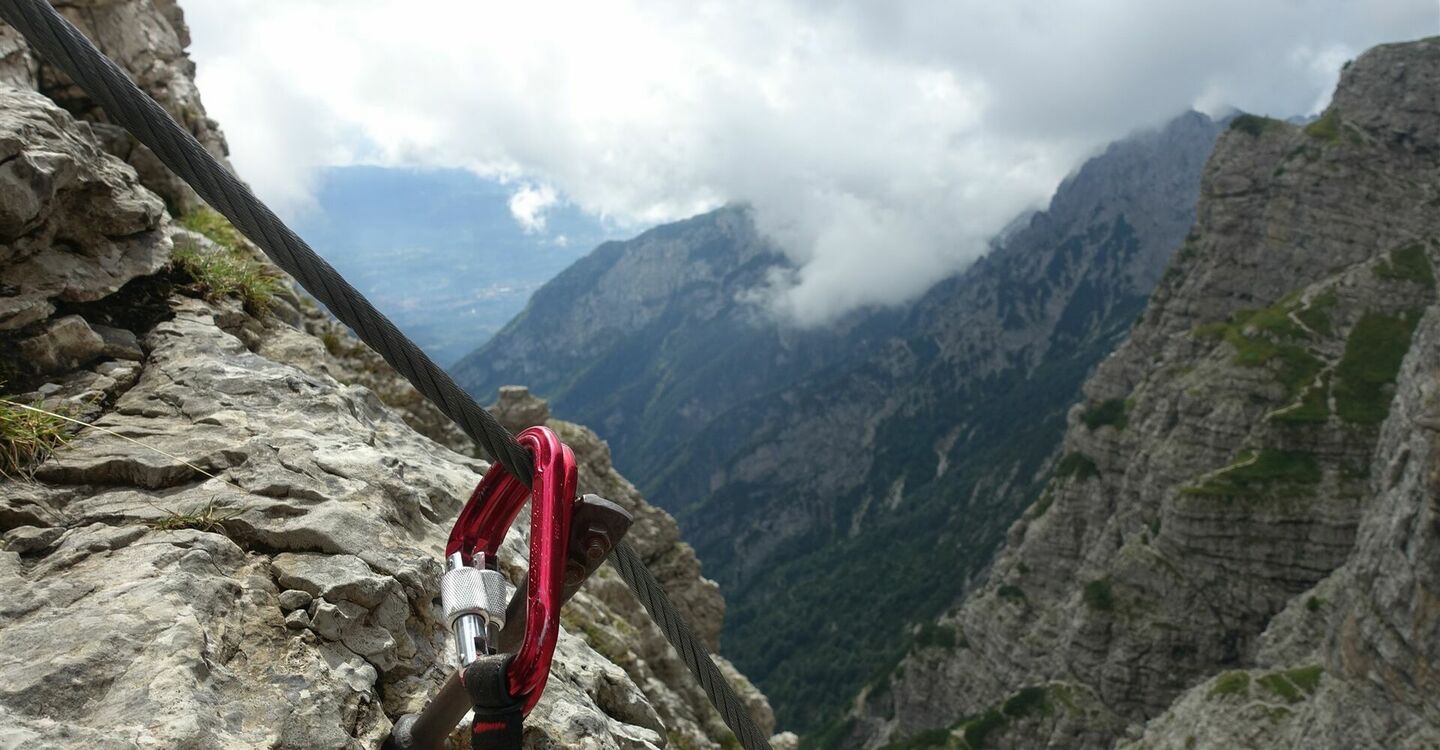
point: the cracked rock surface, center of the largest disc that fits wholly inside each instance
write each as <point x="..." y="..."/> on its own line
<point x="241" y="545"/>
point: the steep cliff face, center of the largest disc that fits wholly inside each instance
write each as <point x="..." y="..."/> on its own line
<point x="903" y="468"/>
<point x="239" y="545"/>
<point x="1237" y="546"/>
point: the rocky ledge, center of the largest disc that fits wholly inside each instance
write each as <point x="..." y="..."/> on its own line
<point x="237" y="543"/>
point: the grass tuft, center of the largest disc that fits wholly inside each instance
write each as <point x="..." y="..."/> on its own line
<point x="1077" y="465"/>
<point x="27" y="438"/>
<point x="1028" y="701"/>
<point x="1043" y="503"/>
<point x="209" y="222"/>
<point x="1313" y="408"/>
<point x="209" y="518"/>
<point x="1326" y="127"/>
<point x="333" y="343"/>
<point x="1292" y="686"/>
<point x="1010" y="593"/>
<point x="1306" y="678"/>
<point x="976" y="730"/>
<point x="1316" y="315"/>
<point x="1111" y="412"/>
<point x="1253" y="125"/>
<point x="935" y="635"/>
<point x="228" y="273"/>
<point x="1278" y="685"/>
<point x="1270" y="338"/>
<point x="1231" y="683"/>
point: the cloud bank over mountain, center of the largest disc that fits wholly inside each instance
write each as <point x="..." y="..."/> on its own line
<point x="881" y="144"/>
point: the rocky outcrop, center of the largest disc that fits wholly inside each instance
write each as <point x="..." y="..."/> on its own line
<point x="75" y="227"/>
<point x="1237" y="546"/>
<point x="238" y="547"/>
<point x="1351" y="662"/>
<point x="148" y="39"/>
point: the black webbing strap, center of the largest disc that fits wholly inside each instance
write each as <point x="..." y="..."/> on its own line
<point x="499" y="716"/>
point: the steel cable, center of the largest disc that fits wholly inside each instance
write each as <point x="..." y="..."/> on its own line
<point x="67" y="49"/>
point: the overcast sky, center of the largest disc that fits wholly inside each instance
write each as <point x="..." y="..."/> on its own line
<point x="881" y="143"/>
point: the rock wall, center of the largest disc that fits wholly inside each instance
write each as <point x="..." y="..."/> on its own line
<point x="1237" y="548"/>
<point x="240" y="547"/>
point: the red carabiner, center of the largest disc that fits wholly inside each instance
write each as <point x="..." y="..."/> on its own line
<point x="482" y="525"/>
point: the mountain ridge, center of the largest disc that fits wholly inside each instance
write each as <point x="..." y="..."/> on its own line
<point x="1193" y="581"/>
<point x="904" y="398"/>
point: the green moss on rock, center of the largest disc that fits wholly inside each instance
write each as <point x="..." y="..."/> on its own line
<point x="1077" y="465"/>
<point x="1408" y="263"/>
<point x="1099" y="596"/>
<point x="1269" y="337"/>
<point x="1326" y="127"/>
<point x="1365" y="377"/>
<point x="1111" y="412"/>
<point x="1253" y="125"/>
<point x="1231" y="683"/>
<point x="1269" y="472"/>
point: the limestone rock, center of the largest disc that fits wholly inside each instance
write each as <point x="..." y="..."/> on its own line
<point x="64" y="344"/>
<point x="317" y="489"/>
<point x="147" y="38"/>
<point x="17" y="65"/>
<point x="785" y="741"/>
<point x="75" y="225"/>
<point x="1239" y="548"/>
<point x="294" y="599"/>
<point x="119" y="343"/>
<point x="24" y="539"/>
<point x="245" y="536"/>
<point x="517" y="409"/>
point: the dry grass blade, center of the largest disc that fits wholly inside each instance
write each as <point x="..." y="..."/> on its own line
<point x="38" y="420"/>
<point x="208" y="518"/>
<point x="4" y="402"/>
<point x="27" y="437"/>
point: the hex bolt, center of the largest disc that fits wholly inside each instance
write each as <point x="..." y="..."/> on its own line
<point x="597" y="543"/>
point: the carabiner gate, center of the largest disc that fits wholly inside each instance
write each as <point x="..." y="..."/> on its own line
<point x="481" y="528"/>
<point x="569" y="539"/>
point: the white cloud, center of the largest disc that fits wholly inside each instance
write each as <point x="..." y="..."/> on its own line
<point x="529" y="203"/>
<point x="880" y="143"/>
